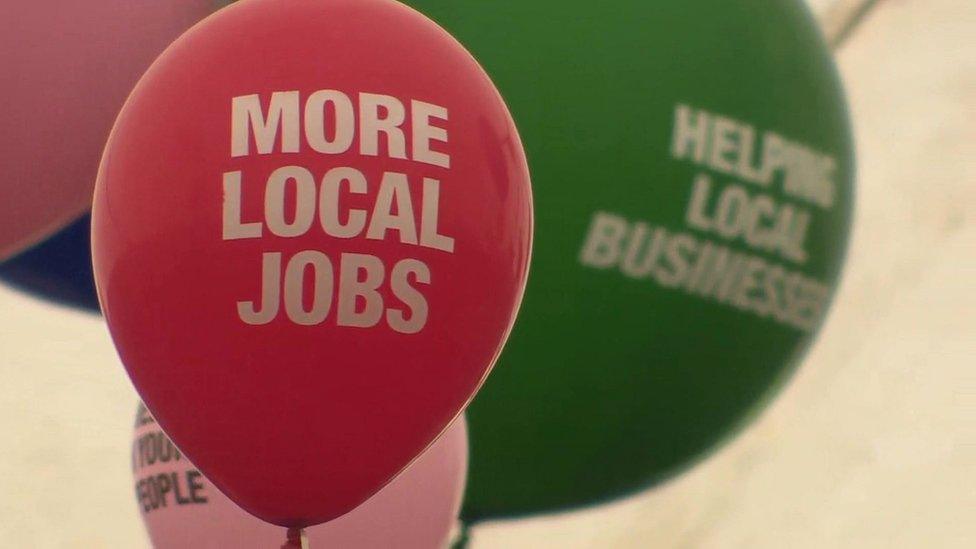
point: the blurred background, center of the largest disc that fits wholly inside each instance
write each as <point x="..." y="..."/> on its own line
<point x="872" y="444"/>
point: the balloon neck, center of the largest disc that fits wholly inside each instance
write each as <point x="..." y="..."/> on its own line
<point x="296" y="539"/>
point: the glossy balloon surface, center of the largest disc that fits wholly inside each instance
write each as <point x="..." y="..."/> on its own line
<point x="622" y="372"/>
<point x="311" y="234"/>
<point x="67" y="68"/>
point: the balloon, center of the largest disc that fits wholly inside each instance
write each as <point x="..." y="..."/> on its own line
<point x="181" y="509"/>
<point x="680" y="272"/>
<point x="59" y="269"/>
<point x="310" y="235"/>
<point x="67" y="67"/>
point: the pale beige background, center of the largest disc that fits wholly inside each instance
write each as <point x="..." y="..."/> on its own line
<point x="873" y="444"/>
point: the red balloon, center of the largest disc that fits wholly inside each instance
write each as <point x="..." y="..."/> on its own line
<point x="65" y="70"/>
<point x="311" y="234"/>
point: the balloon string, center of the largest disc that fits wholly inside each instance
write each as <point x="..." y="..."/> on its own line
<point x="295" y="539"/>
<point x="844" y="18"/>
<point x="463" y="539"/>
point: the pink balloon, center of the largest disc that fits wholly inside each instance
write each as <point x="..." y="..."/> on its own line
<point x="182" y="509"/>
<point x="67" y="67"/>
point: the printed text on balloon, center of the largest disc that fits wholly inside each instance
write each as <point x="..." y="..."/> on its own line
<point x="296" y="202"/>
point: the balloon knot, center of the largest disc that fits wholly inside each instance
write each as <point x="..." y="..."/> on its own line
<point x="294" y="539"/>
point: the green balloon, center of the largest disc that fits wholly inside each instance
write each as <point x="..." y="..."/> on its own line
<point x="693" y="172"/>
